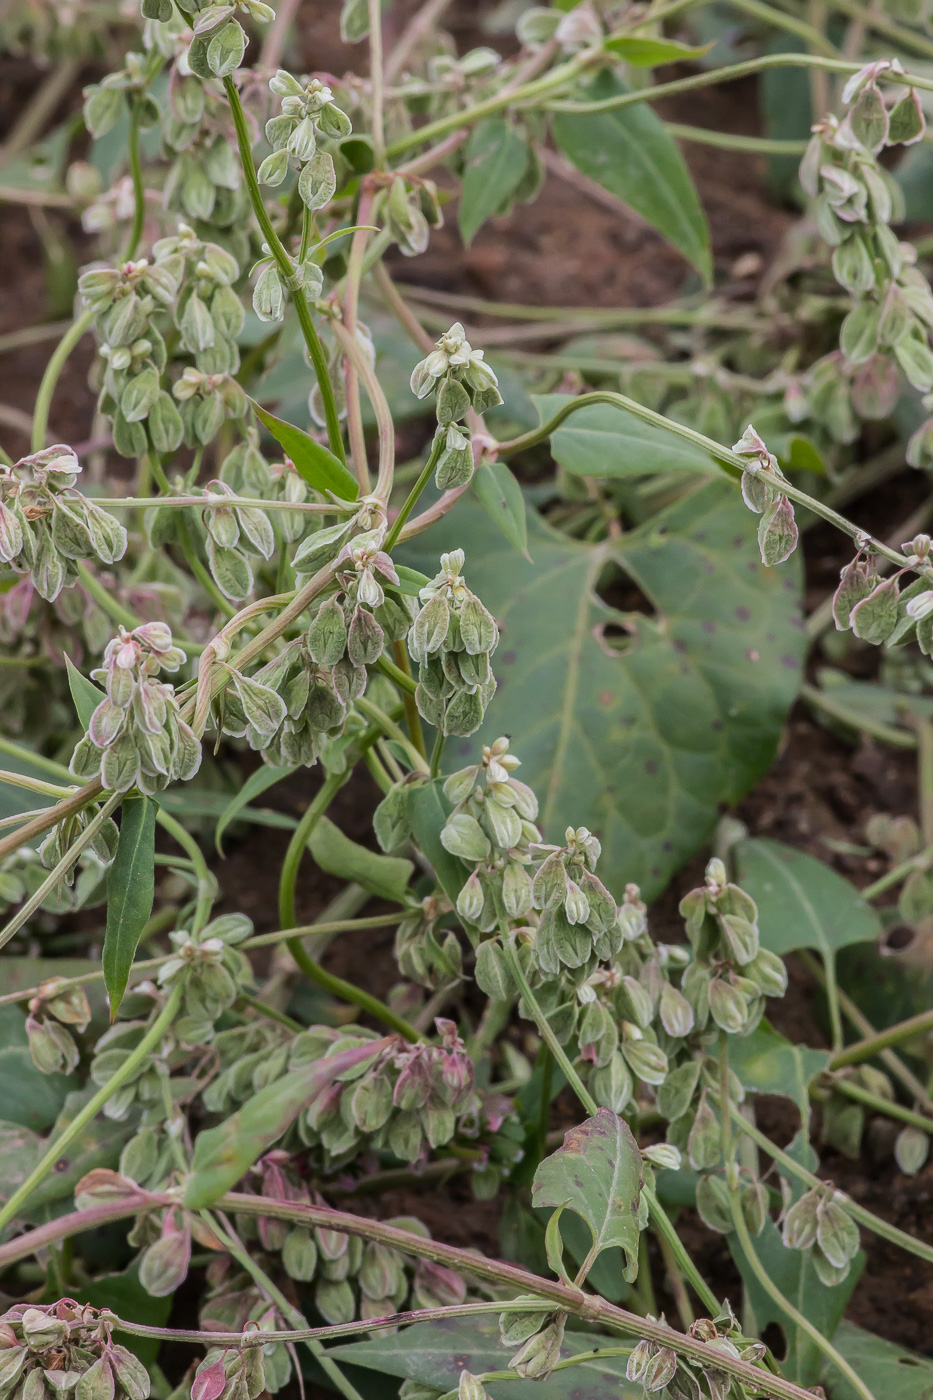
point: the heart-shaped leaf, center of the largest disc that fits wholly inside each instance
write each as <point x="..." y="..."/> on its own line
<point x="766" y="1063"/>
<point x="887" y="1370"/>
<point x="320" y="467"/>
<point x="637" y="725"/>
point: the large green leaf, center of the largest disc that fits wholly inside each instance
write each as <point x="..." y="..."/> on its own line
<point x="386" y="876"/>
<point x="767" y="1063"/>
<point x="802" y="903"/>
<point x="598" y="1174"/>
<point x="320" y="467"/>
<point x="130" y="892"/>
<point x="890" y="1372"/>
<point x="602" y="440"/>
<point x="630" y="153"/>
<point x="495" y="163"/>
<point x="436" y="1352"/>
<point x="640" y="743"/>
<point x="98" y="1144"/>
<point x="20" y="1149"/>
<point x="793" y="1272"/>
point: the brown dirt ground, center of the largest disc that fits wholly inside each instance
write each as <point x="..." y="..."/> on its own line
<point x="567" y="250"/>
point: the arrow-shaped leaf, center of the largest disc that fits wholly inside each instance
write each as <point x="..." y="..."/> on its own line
<point x="598" y="1174"/>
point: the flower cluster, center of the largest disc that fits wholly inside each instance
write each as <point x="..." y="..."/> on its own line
<point x="219" y="41"/>
<point x="308" y="114"/>
<point x="458" y="375"/>
<point x="212" y="973"/>
<point x="51" y="1012"/>
<point x="777" y="529"/>
<point x="452" y="640"/>
<point x="64" y="1348"/>
<point x="661" y="1371"/>
<point x="47" y="525"/>
<point x="291" y="707"/>
<point x="136" y="736"/>
<point x="856" y="200"/>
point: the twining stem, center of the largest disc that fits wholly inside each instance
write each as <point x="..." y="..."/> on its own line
<point x="312" y="969"/>
<point x="207" y="885"/>
<point x="377" y="82"/>
<point x="125" y="1072"/>
<point x="745" y="1240"/>
<point x="40" y="416"/>
<point x="832" y="1000"/>
<point x="287" y="271"/>
<point x="723" y="455"/>
<point x="882" y="1228"/>
<point x="105" y="600"/>
<point x="656" y="1210"/>
<point x="412" y="716"/>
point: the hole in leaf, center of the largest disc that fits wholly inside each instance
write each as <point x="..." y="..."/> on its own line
<point x="897" y="939"/>
<point x="775" y="1340"/>
<point x="622" y="593"/>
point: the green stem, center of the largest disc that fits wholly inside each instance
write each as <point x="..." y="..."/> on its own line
<point x="899" y="873"/>
<point x="720" y="454"/>
<point x="861" y="723"/>
<point x="889" y="1107"/>
<point x="789" y="23"/>
<point x="286" y="269"/>
<point x="40" y="417"/>
<point x="391" y="730"/>
<point x="882" y="1228"/>
<point x="201" y="573"/>
<point x="377" y="82"/>
<point x="396" y="674"/>
<point x="88" y="1113"/>
<point x="105" y="599"/>
<point x="832" y="1000"/>
<point x="728" y="74"/>
<point x="207" y="885"/>
<point x="437" y="446"/>
<point x="667" y="1229"/>
<point x="136" y="174"/>
<point x="873" y="1045"/>
<point x="336" y="986"/>
<point x="727" y="141"/>
<point x="412" y="716"/>
<point x="437" y="754"/>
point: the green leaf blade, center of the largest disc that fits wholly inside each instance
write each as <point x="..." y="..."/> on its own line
<point x="320" y="467"/>
<point x="802" y="903"/>
<point x="630" y="153"/>
<point x="130" y="894"/>
<point x="602" y="440"/>
<point x="496" y="161"/>
<point x="85" y="694"/>
<point x="385" y="876"/>
<point x="501" y="495"/>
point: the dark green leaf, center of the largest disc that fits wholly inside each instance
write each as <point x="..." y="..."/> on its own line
<point x="643" y="51"/>
<point x="130" y="892"/>
<point x="436" y="1352"/>
<point x="496" y="160"/>
<point x="320" y="467"/>
<point x="630" y="153"/>
<point x="602" y="440"/>
<point x="85" y="694"/>
<point x="386" y="876"/>
<point x="502" y="496"/>
<point x="889" y="1371"/>
<point x="98" y="1144"/>
<point x="638" y="738"/>
<point x="802" y="903"/>
<point x="597" y="1173"/>
<point x="257" y="783"/>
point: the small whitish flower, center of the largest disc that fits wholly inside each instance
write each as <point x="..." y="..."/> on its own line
<point x="459" y="373"/>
